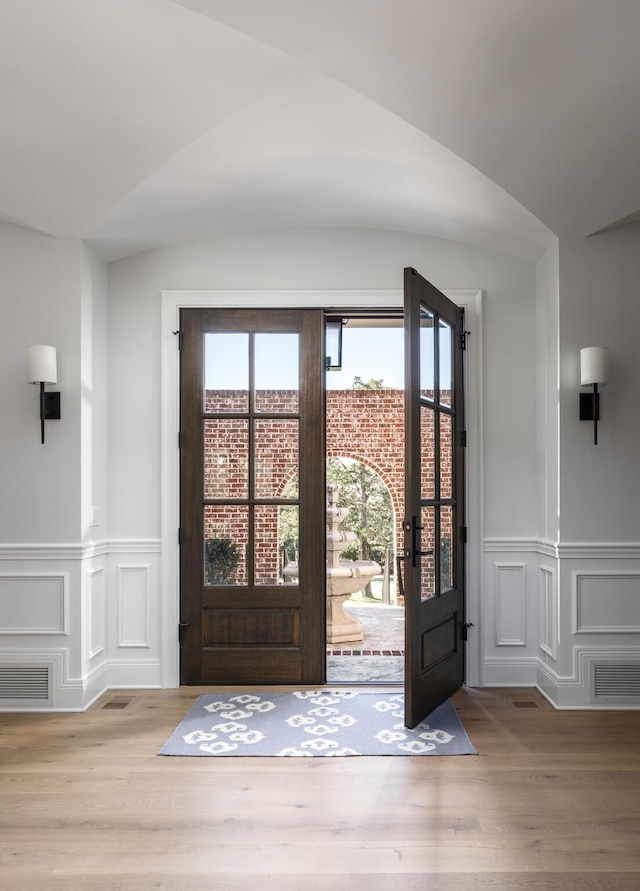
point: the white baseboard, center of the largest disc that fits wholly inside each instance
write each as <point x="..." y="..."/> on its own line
<point x="134" y="674"/>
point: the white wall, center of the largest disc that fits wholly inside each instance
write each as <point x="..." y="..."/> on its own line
<point x="52" y="573"/>
<point x="548" y="395"/>
<point x="39" y="293"/>
<point x="600" y="485"/>
<point x="590" y="586"/>
<point x="93" y="395"/>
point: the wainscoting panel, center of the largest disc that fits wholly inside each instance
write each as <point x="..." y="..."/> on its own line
<point x="511" y="605"/>
<point x="133" y="605"/>
<point x="96" y="617"/>
<point x="606" y="602"/>
<point x="34" y="603"/>
<point x="548" y="611"/>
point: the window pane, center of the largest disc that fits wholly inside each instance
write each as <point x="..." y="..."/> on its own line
<point x="427" y="353"/>
<point x="226" y="458"/>
<point x="276" y="538"/>
<point x="446" y="456"/>
<point x="446" y="548"/>
<point x="427" y="561"/>
<point x="427" y="479"/>
<point x="277" y="373"/>
<point x="226" y="530"/>
<point x="226" y="372"/>
<point x="445" y="343"/>
<point x="276" y="458"/>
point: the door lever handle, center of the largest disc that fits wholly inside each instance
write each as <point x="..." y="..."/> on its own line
<point x="417" y="528"/>
<point x="400" y="581"/>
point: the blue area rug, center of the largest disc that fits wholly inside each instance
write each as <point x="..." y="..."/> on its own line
<point x="312" y="723"/>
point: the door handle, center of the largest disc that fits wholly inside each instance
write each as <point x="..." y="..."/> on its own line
<point x="400" y="582"/>
<point x="415" y="540"/>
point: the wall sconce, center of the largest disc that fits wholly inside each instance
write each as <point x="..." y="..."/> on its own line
<point x="333" y="343"/>
<point x="594" y="370"/>
<point x="42" y="368"/>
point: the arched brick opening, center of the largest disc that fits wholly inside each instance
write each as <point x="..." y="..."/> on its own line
<point x="397" y="497"/>
<point x="368" y="426"/>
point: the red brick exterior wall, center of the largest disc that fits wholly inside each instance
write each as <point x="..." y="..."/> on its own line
<point x="366" y="425"/>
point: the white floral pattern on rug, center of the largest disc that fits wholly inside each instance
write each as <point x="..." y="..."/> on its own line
<point x="313" y="722"/>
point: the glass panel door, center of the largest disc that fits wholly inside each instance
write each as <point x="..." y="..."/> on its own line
<point x="252" y="460"/>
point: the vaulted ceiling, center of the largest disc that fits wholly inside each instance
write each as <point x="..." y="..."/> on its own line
<point x="139" y="123"/>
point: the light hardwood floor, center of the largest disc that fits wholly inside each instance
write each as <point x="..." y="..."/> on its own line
<point x="551" y="802"/>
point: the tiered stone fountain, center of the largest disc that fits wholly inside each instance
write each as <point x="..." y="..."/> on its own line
<point x="344" y="577"/>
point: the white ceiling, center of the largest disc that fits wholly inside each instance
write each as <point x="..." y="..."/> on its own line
<point x="138" y="123"/>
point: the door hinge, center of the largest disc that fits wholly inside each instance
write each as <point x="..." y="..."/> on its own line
<point x="463" y="534"/>
<point x="463" y="339"/>
<point x="179" y="439"/>
<point x="180" y="535"/>
<point x="463" y="438"/>
<point x="181" y="627"/>
<point x="464" y="629"/>
<point x="178" y="334"/>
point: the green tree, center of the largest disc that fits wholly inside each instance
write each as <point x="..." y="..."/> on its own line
<point x="373" y="384"/>
<point x="221" y="558"/>
<point x="370" y="509"/>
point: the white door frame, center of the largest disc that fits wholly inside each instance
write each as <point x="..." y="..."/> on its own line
<point x="175" y="300"/>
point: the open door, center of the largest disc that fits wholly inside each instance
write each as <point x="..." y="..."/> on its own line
<point x="434" y="498"/>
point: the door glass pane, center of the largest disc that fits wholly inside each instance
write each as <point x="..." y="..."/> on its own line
<point x="445" y="344"/>
<point x="276" y="458"/>
<point x="427" y="560"/>
<point x="226" y="371"/>
<point x="226" y="531"/>
<point x="427" y="470"/>
<point x="226" y="458"/>
<point x="446" y="456"/>
<point x="446" y="547"/>
<point x="276" y="538"/>
<point x="427" y="361"/>
<point x="277" y="374"/>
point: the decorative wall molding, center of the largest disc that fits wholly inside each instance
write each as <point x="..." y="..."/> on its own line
<point x="510" y="545"/>
<point x="80" y="551"/>
<point x="511" y="604"/>
<point x="135" y="674"/>
<point x="133" y="605"/>
<point x="564" y="550"/>
<point x="134" y="546"/>
<point x="549" y="623"/>
<point x="584" y="550"/>
<point x="574" y="691"/>
<point x="511" y="672"/>
<point x="598" y="595"/>
<point x="43" y="552"/>
<point x="95" y="606"/>
<point x="34" y="603"/>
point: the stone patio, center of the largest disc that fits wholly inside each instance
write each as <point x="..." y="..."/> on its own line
<point x="379" y="658"/>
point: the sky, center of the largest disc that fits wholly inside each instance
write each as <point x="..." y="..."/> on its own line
<point x="368" y="353"/>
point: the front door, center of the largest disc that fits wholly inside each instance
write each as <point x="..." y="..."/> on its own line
<point x="252" y="558"/>
<point x="434" y="498"/>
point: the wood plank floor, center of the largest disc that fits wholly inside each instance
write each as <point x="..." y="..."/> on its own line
<point x="551" y="802"/>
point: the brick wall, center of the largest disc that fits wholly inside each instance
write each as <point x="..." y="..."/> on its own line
<point x="366" y="425"/>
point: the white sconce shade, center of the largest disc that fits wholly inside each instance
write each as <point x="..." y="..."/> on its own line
<point x="42" y="365"/>
<point x="594" y="365"/>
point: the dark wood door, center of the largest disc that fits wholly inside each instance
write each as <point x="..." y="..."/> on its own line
<point x="434" y="498"/>
<point x="252" y="555"/>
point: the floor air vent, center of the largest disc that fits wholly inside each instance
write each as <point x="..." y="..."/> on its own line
<point x="616" y="682"/>
<point x="24" y="683"/>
